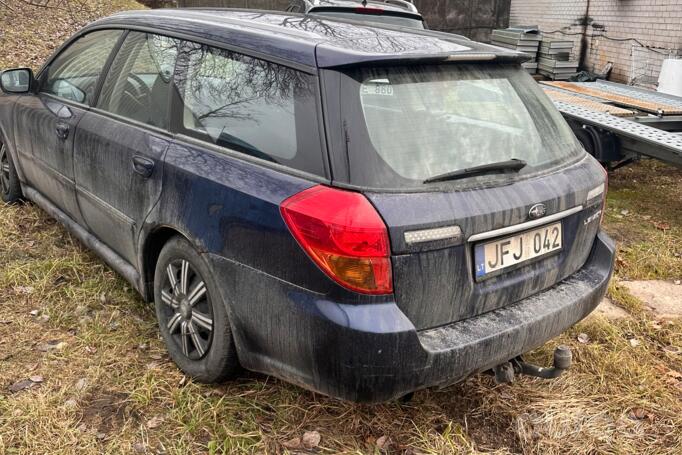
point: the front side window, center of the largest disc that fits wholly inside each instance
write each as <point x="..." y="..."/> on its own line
<point x="424" y="121"/>
<point x="73" y="75"/>
<point x="138" y="84"/>
<point x="251" y="106"/>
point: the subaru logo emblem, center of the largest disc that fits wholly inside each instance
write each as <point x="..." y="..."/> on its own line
<point x="537" y="211"/>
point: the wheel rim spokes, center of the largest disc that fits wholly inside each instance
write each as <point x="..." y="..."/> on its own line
<point x="174" y="323"/>
<point x="202" y="321"/>
<point x="196" y="340"/>
<point x="183" y="336"/>
<point x="184" y="276"/>
<point x="4" y="170"/>
<point x="197" y="293"/>
<point x="171" y="278"/>
<point x="189" y="334"/>
<point x="168" y="299"/>
<point x="187" y="306"/>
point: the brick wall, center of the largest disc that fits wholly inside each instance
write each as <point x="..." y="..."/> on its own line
<point x="615" y="31"/>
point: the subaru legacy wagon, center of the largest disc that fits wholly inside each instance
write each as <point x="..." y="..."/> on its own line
<point x="361" y="210"/>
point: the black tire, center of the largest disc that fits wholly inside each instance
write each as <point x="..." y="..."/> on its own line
<point x="586" y="140"/>
<point x="10" y="189"/>
<point x="193" y="319"/>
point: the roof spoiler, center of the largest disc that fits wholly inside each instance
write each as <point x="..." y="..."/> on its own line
<point x="327" y="60"/>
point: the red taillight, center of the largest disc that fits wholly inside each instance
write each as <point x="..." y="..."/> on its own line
<point x="345" y="236"/>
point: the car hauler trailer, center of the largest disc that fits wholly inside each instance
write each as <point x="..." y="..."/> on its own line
<point x="618" y="124"/>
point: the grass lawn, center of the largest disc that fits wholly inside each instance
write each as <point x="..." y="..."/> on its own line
<point x="104" y="382"/>
<point x="96" y="377"/>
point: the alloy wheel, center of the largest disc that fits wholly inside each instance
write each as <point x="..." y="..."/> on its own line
<point x="4" y="170"/>
<point x="188" y="312"/>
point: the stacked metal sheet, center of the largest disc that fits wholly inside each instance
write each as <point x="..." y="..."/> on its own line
<point x="554" y="59"/>
<point x="531" y="67"/>
<point x="523" y="39"/>
<point x="556" y="49"/>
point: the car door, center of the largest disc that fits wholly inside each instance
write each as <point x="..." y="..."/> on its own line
<point x="119" y="148"/>
<point x="46" y="122"/>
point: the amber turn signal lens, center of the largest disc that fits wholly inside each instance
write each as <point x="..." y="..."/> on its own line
<point x="344" y="235"/>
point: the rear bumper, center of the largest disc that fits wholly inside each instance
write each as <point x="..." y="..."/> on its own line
<point x="372" y="353"/>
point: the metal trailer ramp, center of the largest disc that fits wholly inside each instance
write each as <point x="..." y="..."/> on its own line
<point x="634" y="137"/>
<point x="637" y="92"/>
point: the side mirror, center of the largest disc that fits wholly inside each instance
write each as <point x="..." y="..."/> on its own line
<point x="18" y="80"/>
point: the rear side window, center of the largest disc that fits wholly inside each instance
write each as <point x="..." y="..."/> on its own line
<point x="250" y="106"/>
<point x="74" y="73"/>
<point x="138" y="84"/>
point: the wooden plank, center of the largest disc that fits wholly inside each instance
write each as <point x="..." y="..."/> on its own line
<point x="623" y="100"/>
<point x="592" y="105"/>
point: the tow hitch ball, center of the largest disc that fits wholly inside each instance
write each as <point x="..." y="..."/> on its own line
<point x="505" y="372"/>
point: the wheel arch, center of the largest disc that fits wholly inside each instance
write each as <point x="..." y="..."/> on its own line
<point x="7" y="127"/>
<point x="7" y="142"/>
<point x="152" y="245"/>
<point x="7" y="138"/>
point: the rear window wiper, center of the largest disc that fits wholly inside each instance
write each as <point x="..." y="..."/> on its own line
<point x="502" y="166"/>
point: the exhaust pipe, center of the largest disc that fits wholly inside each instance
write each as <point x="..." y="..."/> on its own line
<point x="505" y="372"/>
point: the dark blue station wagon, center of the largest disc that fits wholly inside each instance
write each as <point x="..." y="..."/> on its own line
<point x="362" y="210"/>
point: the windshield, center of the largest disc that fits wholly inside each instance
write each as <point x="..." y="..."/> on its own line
<point x="409" y="124"/>
<point x="375" y="18"/>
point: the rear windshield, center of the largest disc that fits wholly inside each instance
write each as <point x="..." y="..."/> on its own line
<point x="408" y="124"/>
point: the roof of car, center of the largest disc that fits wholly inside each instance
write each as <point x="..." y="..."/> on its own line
<point x="307" y="40"/>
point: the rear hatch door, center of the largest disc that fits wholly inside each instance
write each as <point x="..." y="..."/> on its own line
<point x="465" y="243"/>
<point x="440" y="280"/>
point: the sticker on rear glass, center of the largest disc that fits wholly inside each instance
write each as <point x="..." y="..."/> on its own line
<point x="379" y="87"/>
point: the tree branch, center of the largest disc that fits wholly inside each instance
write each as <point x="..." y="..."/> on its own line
<point x="6" y="6"/>
<point x="43" y="3"/>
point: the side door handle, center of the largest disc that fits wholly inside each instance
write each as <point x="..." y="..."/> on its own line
<point x="62" y="130"/>
<point x="143" y="166"/>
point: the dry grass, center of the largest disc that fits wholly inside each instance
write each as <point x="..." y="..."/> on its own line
<point x="645" y="216"/>
<point x="29" y="34"/>
<point x="108" y="387"/>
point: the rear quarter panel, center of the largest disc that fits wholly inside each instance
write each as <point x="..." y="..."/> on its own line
<point x="229" y="209"/>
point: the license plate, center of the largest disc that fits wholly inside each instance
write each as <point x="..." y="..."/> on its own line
<point x="506" y="252"/>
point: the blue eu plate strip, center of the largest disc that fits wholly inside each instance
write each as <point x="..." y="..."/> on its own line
<point x="479" y="258"/>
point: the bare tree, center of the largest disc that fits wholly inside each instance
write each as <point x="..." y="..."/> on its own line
<point x="221" y="83"/>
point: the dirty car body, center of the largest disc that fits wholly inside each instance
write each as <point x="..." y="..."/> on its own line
<point x="352" y="191"/>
